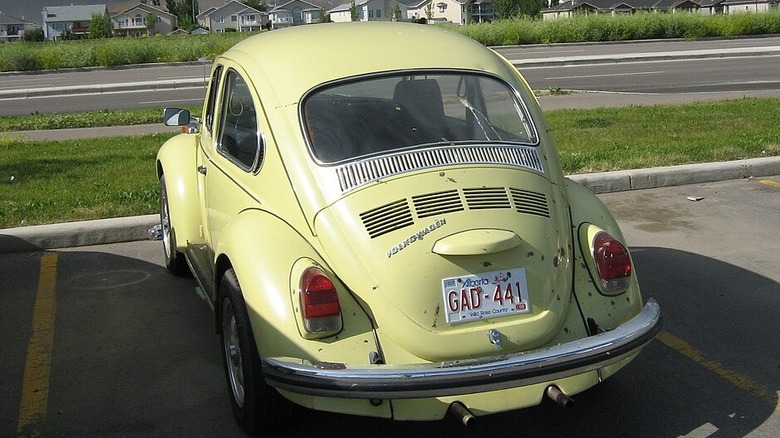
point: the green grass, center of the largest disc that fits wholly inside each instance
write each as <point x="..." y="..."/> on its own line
<point x="84" y="120"/>
<point x="647" y="136"/>
<point x="51" y="181"/>
<point x="30" y="56"/>
<point x="61" y="181"/>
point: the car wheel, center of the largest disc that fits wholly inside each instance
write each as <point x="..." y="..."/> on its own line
<point x="257" y="407"/>
<point x="174" y="260"/>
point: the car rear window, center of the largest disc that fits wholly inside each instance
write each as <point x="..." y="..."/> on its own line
<point x="391" y="113"/>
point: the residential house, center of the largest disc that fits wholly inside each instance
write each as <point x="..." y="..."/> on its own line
<point x="12" y="28"/>
<point x="452" y="11"/>
<point x="569" y="8"/>
<point x="74" y="19"/>
<point x="367" y="10"/>
<point x="294" y="13"/>
<point x="131" y="21"/>
<point x="741" y="6"/>
<point x="232" y="15"/>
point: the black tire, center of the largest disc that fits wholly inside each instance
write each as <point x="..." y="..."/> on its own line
<point x="257" y="407"/>
<point x="174" y="260"/>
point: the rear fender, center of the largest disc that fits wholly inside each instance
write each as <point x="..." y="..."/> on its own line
<point x="269" y="258"/>
<point x="177" y="159"/>
<point x="587" y="211"/>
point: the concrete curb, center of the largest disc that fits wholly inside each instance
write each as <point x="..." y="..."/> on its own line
<point x="126" y="229"/>
<point x="70" y="234"/>
<point x="637" y="179"/>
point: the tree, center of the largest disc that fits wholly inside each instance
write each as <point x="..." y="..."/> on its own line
<point x="353" y="12"/>
<point x="324" y="16"/>
<point x="256" y="4"/>
<point x="31" y="35"/>
<point x="519" y="8"/>
<point x="396" y="12"/>
<point x="100" y="27"/>
<point x="185" y="12"/>
<point x="150" y="21"/>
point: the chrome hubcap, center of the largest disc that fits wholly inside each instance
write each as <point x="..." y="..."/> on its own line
<point x="232" y="348"/>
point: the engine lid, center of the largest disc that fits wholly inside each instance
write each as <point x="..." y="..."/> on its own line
<point x="466" y="255"/>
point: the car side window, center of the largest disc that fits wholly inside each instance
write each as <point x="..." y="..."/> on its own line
<point x="239" y="138"/>
<point x="212" y="98"/>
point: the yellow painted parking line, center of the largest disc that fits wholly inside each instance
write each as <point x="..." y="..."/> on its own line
<point x="35" y="384"/>
<point x="739" y="380"/>
<point x="770" y="183"/>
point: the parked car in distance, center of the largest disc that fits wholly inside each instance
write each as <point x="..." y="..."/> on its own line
<point x="377" y="214"/>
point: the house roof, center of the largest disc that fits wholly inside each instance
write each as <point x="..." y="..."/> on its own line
<point x="7" y="19"/>
<point x="571" y="5"/>
<point x="283" y="6"/>
<point x="206" y="13"/>
<point x="147" y="8"/>
<point x="242" y="9"/>
<point x="72" y="13"/>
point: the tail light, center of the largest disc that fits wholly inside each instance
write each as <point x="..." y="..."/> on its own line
<point x="613" y="264"/>
<point x="320" y="306"/>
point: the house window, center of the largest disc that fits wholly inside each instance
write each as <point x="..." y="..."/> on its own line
<point x="233" y="18"/>
<point x="220" y="19"/>
<point x="442" y="7"/>
<point x="370" y="14"/>
<point x="378" y="13"/>
<point x="138" y="20"/>
<point x="297" y="14"/>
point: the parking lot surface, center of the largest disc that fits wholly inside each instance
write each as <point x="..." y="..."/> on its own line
<point x="102" y="341"/>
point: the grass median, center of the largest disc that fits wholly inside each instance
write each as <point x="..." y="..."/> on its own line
<point x="59" y="181"/>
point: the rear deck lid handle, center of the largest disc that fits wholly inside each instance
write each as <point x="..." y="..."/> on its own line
<point x="476" y="242"/>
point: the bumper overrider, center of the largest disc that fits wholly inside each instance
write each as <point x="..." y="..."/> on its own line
<point x="466" y="376"/>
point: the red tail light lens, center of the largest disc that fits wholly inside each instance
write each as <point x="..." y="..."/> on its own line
<point x="613" y="264"/>
<point x="319" y="302"/>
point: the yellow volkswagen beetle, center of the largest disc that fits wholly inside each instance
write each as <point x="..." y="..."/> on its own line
<point x="377" y="214"/>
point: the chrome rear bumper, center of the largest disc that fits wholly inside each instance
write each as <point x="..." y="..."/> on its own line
<point x="466" y="376"/>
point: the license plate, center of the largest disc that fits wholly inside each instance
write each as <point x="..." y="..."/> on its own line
<point x="484" y="296"/>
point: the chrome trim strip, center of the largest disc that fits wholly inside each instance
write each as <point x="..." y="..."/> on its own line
<point x="469" y="375"/>
<point x="356" y="174"/>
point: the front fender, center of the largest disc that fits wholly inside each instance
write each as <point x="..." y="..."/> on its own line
<point x="177" y="160"/>
<point x="269" y="256"/>
<point x="607" y="312"/>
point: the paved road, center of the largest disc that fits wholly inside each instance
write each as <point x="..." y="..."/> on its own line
<point x="133" y="352"/>
<point x="687" y="70"/>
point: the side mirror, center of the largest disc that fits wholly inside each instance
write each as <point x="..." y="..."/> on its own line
<point x="176" y="117"/>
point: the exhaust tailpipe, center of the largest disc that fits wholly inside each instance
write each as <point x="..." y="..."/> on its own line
<point x="556" y="395"/>
<point x="461" y="413"/>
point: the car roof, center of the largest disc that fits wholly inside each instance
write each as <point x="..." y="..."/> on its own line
<point x="284" y="64"/>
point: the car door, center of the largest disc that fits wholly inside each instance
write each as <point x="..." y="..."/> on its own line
<point x="237" y="154"/>
<point x="208" y="142"/>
